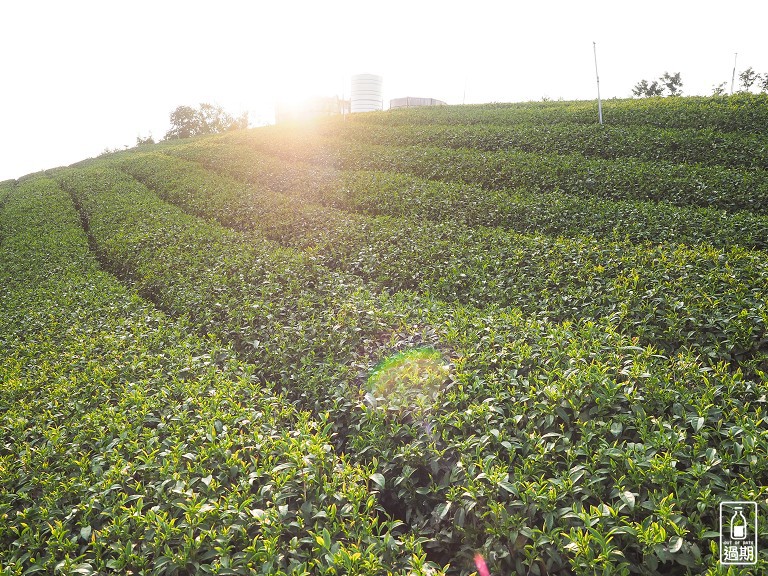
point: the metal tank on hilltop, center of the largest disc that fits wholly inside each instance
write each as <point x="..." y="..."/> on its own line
<point x="366" y="93"/>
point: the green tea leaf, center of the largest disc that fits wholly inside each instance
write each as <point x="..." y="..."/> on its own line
<point x="378" y="479"/>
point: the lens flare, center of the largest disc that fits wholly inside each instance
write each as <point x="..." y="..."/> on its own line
<point x="409" y="378"/>
<point x="482" y="568"/>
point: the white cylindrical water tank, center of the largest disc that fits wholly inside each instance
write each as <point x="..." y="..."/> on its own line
<point x="366" y="93"/>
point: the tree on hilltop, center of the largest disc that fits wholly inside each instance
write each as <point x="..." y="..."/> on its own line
<point x="671" y="82"/>
<point x="648" y="89"/>
<point x="187" y="121"/>
<point x="747" y="78"/>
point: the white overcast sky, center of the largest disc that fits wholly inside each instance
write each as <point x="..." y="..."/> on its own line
<point x="81" y="76"/>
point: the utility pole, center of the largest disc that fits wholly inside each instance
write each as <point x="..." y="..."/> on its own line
<point x="599" y="101"/>
<point x="733" y="76"/>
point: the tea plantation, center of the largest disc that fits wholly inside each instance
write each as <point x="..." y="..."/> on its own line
<point x="392" y="343"/>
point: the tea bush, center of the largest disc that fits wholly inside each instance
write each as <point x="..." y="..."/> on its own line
<point x="648" y="143"/>
<point x="653" y="291"/>
<point x="729" y="189"/>
<point x="744" y="113"/>
<point x="439" y="457"/>
<point x="131" y="446"/>
<point x="297" y="352"/>
<point x="523" y="209"/>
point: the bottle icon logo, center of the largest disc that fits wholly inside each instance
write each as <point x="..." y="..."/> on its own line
<point x="738" y="524"/>
<point x="738" y="533"/>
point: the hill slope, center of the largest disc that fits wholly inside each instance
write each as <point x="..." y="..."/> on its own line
<point x="388" y="343"/>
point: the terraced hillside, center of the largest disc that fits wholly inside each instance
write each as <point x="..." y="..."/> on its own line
<point x="392" y="344"/>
